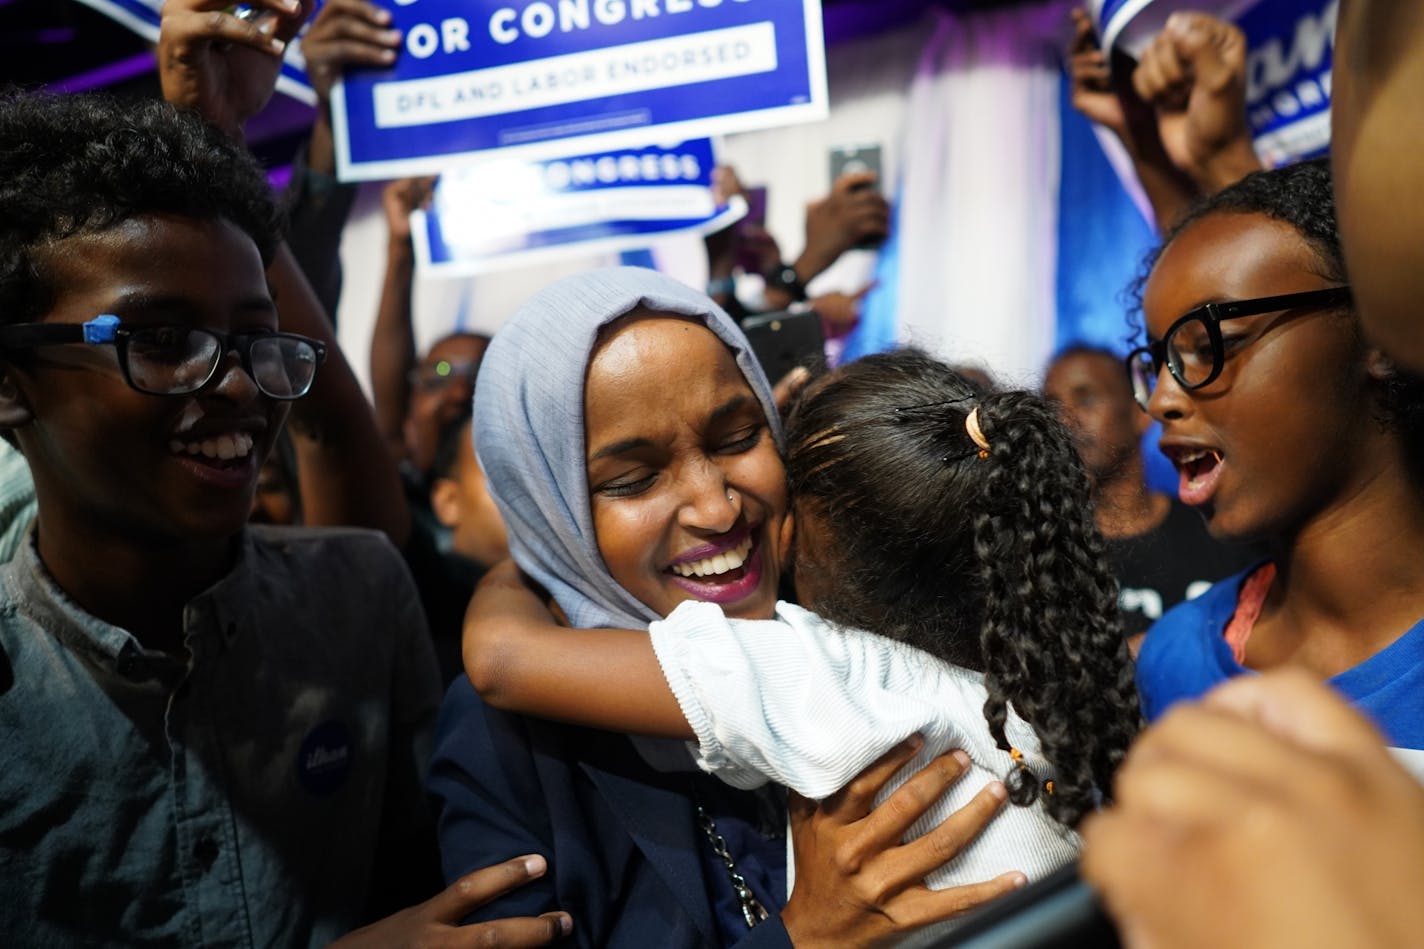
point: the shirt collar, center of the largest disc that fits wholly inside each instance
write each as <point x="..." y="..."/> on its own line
<point x="212" y="620"/>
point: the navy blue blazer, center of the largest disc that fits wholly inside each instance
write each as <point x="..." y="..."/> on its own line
<point x="620" y="837"/>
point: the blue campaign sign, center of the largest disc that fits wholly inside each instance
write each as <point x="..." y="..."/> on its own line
<point x="1131" y="24"/>
<point x="511" y="211"/>
<point x="141" y="16"/>
<point x="543" y="78"/>
<point x="1291" y="48"/>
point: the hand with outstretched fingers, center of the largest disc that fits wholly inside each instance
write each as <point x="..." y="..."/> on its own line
<point x="840" y="311"/>
<point x="857" y="884"/>
<point x="435" y="924"/>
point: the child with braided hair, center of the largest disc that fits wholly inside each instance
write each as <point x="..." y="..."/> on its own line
<point x="954" y="525"/>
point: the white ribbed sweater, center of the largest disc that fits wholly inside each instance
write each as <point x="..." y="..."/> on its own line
<point x="809" y="704"/>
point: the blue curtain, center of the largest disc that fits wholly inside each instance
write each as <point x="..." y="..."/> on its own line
<point x="878" y="328"/>
<point x="1102" y="241"/>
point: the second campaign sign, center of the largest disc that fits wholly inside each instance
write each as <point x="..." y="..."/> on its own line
<point x="548" y="78"/>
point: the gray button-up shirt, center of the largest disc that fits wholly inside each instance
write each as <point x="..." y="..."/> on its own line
<point x="233" y="799"/>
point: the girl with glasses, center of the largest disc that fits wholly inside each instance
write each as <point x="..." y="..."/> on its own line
<point x="1289" y="430"/>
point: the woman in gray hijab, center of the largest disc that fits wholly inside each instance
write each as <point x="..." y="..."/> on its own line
<point x="632" y="445"/>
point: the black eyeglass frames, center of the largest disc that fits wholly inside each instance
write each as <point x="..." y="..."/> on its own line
<point x="174" y="359"/>
<point x="1192" y="348"/>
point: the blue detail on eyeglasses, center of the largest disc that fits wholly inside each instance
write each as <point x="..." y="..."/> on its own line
<point x="177" y="359"/>
<point x="101" y="329"/>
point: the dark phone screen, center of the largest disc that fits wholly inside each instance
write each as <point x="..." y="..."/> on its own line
<point x="783" y="340"/>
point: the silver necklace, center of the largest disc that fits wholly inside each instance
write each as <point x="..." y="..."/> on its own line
<point x="752" y="910"/>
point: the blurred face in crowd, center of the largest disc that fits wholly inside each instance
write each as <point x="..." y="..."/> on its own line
<point x="1094" y="399"/>
<point x="462" y="503"/>
<point x="441" y="388"/>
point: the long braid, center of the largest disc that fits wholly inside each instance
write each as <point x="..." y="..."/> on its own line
<point x="991" y="563"/>
<point x="1051" y="635"/>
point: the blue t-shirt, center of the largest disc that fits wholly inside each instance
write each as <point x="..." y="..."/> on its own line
<point x="1186" y="654"/>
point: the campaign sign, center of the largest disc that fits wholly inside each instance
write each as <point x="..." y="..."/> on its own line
<point x="141" y="16"/>
<point x="1290" y="46"/>
<point x="544" y="78"/>
<point x="511" y="211"/>
<point x="1130" y="25"/>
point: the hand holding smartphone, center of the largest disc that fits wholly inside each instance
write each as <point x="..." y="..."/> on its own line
<point x="858" y="160"/>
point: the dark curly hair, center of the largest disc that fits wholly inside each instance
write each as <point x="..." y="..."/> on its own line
<point x="76" y="164"/>
<point x="1302" y="195"/>
<point x="992" y="563"/>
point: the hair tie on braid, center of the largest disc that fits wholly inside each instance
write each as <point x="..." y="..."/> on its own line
<point x="971" y="425"/>
<point x="1022" y="783"/>
<point x="976" y="434"/>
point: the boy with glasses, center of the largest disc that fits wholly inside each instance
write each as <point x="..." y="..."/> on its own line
<point x="215" y="733"/>
<point x="212" y="734"/>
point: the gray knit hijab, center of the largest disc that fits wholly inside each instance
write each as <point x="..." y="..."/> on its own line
<point x="530" y="436"/>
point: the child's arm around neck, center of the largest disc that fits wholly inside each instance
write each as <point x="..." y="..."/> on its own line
<point x="520" y="659"/>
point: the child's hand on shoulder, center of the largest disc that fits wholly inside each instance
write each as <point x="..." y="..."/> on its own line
<point x="505" y="579"/>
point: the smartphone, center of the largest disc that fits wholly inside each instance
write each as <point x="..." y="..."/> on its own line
<point x="756" y="206"/>
<point x="783" y="340"/>
<point x="854" y="159"/>
<point x="751" y="231"/>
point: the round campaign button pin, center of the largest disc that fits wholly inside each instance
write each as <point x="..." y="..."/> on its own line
<point x="324" y="760"/>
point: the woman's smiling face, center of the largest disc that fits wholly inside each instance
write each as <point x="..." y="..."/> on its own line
<point x="1274" y="439"/>
<point x="687" y="489"/>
